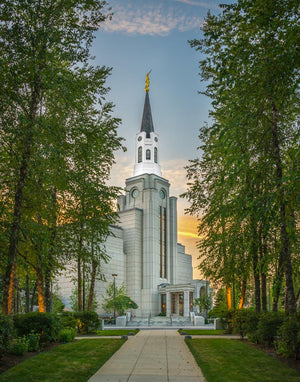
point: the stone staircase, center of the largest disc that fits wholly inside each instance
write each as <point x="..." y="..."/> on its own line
<point x="159" y="321"/>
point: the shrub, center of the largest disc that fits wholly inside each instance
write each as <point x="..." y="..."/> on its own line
<point x="268" y="326"/>
<point x="6" y="331"/>
<point x="87" y="321"/>
<point x="225" y="316"/>
<point x="33" y="341"/>
<point x="66" y="335"/>
<point x="68" y="320"/>
<point x="18" y="346"/>
<point x="245" y="322"/>
<point x="288" y="343"/>
<point x="45" y="324"/>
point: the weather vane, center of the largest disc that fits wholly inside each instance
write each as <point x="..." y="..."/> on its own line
<point x="147" y="81"/>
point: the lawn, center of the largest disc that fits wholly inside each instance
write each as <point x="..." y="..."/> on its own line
<point x="197" y="332"/>
<point x="116" y="332"/>
<point x="223" y="360"/>
<point x="75" y="361"/>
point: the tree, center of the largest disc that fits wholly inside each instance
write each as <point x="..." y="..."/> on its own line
<point x="120" y="301"/>
<point x="53" y="118"/>
<point x="238" y="188"/>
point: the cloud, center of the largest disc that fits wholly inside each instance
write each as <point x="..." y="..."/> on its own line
<point x="198" y="4"/>
<point x="150" y="19"/>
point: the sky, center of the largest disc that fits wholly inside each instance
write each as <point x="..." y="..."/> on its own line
<point x="153" y="35"/>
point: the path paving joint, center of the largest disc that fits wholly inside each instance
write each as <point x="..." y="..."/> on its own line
<point x="151" y="355"/>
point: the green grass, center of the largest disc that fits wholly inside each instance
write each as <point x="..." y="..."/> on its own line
<point x="116" y="332"/>
<point x="223" y="360"/>
<point x="202" y="331"/>
<point x="75" y="361"/>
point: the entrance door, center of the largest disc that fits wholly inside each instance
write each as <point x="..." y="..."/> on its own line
<point x="181" y="304"/>
<point x="163" y="304"/>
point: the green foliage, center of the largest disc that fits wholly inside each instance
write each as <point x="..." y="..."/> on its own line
<point x="288" y="342"/>
<point x="33" y="341"/>
<point x="66" y="335"/>
<point x="245" y="322"/>
<point x="18" y="346"/>
<point x="58" y="138"/>
<point x="268" y="325"/>
<point x="67" y="320"/>
<point x="204" y="303"/>
<point x="6" y="333"/>
<point x="243" y="185"/>
<point x="121" y="302"/>
<point x="57" y="305"/>
<point x="87" y="321"/>
<point x="45" y="324"/>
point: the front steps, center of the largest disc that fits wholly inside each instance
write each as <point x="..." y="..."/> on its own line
<point x="160" y="321"/>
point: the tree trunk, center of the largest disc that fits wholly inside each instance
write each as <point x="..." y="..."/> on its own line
<point x="92" y="286"/>
<point x="19" y="194"/>
<point x="40" y="289"/>
<point x="48" y="270"/>
<point x="228" y="296"/>
<point x="255" y="264"/>
<point x="79" y="284"/>
<point x="243" y="293"/>
<point x="33" y="296"/>
<point x="264" y="299"/>
<point x="27" y="292"/>
<point x="11" y="290"/>
<point x="285" y="251"/>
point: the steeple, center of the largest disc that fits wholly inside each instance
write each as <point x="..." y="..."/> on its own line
<point x="146" y="144"/>
<point x="147" y="123"/>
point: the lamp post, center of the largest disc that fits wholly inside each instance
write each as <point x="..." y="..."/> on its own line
<point x="114" y="275"/>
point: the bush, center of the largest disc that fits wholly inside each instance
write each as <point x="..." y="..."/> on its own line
<point x="225" y="316"/>
<point x="245" y="322"/>
<point x="33" y="341"/>
<point x="268" y="326"/>
<point x="68" y="320"/>
<point x="288" y="343"/>
<point x="87" y="321"/>
<point x="66" y="335"/>
<point x="18" y="346"/>
<point x="45" y="324"/>
<point x="6" y="332"/>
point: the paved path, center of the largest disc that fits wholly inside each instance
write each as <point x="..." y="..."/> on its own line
<point x="151" y="355"/>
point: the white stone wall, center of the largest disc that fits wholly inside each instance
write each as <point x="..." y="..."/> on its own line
<point x="116" y="264"/>
<point x="184" y="266"/>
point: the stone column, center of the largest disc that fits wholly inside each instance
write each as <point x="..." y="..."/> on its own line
<point x="168" y="303"/>
<point x="186" y="304"/>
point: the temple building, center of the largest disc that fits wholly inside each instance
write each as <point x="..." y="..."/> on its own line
<point x="143" y="248"/>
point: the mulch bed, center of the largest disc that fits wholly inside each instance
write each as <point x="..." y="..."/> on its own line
<point x="11" y="360"/>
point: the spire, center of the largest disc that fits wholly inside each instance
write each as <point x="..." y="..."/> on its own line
<point x="146" y="143"/>
<point x="147" y="123"/>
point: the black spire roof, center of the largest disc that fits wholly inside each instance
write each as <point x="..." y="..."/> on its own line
<point x="147" y="124"/>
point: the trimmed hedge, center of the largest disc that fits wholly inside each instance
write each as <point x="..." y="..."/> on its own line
<point x="67" y="320"/>
<point x="45" y="324"/>
<point x="6" y="333"/>
<point x="87" y="321"/>
<point x="288" y="342"/>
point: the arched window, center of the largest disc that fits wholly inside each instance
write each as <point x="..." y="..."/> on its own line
<point x="155" y="154"/>
<point x="140" y="154"/>
<point x="148" y="154"/>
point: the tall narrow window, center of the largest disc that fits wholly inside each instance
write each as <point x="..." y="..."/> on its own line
<point x="165" y="244"/>
<point x="140" y="154"/>
<point x="148" y="154"/>
<point x="155" y="154"/>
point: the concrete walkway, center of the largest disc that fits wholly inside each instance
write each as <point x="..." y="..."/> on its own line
<point x="151" y="355"/>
